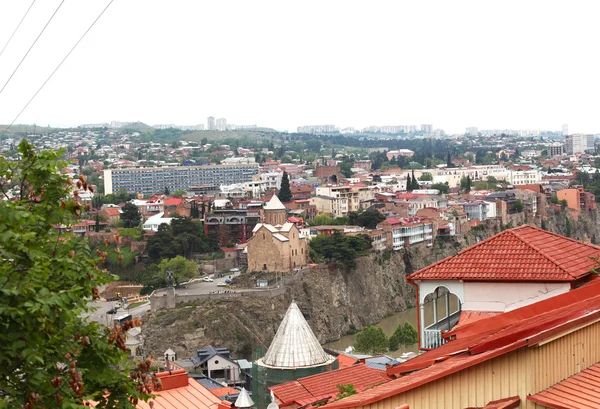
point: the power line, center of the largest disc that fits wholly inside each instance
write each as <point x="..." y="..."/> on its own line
<point x="19" y="25"/>
<point x="58" y="66"/>
<point x="35" y="41"/>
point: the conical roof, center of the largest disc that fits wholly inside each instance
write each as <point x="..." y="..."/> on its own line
<point x="244" y="400"/>
<point x="274" y="204"/>
<point x="295" y="345"/>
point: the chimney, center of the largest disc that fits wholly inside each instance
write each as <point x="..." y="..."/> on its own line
<point x="172" y="379"/>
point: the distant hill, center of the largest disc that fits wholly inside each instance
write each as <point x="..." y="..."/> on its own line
<point x="138" y="126"/>
<point x="25" y="129"/>
<point x="216" y="135"/>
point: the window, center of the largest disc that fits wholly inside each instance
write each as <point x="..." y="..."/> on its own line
<point x="264" y="266"/>
<point x="302" y="251"/>
<point x="264" y="237"/>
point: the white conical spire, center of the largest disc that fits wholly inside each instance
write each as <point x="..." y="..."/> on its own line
<point x="295" y="345"/>
<point x="274" y="204"/>
<point x="244" y="400"/>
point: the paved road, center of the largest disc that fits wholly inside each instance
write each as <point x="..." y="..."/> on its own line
<point x="100" y="315"/>
<point x="202" y="287"/>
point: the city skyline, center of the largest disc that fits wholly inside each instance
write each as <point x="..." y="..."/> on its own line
<point x="519" y="66"/>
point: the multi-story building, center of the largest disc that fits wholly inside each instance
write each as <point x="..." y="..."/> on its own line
<point x="579" y="143"/>
<point x="210" y="123"/>
<point x="426" y="128"/>
<point x="472" y="131"/>
<point x="404" y="232"/>
<point x="524" y="177"/>
<point x="357" y="196"/>
<point x="227" y="224"/>
<point x="477" y="209"/>
<point x="154" y="180"/>
<point x="316" y="129"/>
<point x="407" y="153"/>
<point x="555" y="148"/>
<point x="336" y="206"/>
<point x="577" y="198"/>
<point x="221" y="124"/>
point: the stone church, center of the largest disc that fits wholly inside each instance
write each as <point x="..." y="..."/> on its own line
<point x="276" y="245"/>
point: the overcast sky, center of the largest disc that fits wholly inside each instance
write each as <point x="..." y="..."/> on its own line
<point x="454" y="64"/>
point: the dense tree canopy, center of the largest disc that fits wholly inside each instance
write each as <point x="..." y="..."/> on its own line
<point x="50" y="356"/>
<point x="368" y="219"/>
<point x="131" y="216"/>
<point x="371" y="340"/>
<point x="340" y="248"/>
<point x="182" y="269"/>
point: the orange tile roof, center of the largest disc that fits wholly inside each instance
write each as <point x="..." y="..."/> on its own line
<point x="361" y="376"/>
<point x="346" y="360"/>
<point x="524" y="253"/>
<point x="468" y="317"/>
<point x="227" y="390"/>
<point x="194" y="395"/>
<point x="581" y="390"/>
<point x="506" y="403"/>
<point x="173" y="201"/>
<point x="487" y="339"/>
<point x="112" y="211"/>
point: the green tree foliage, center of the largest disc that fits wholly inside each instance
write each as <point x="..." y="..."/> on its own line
<point x="449" y="163"/>
<point x="324" y="219"/>
<point x="371" y="340"/>
<point x="179" y="193"/>
<point x="368" y="219"/>
<point x="131" y="216"/>
<point x="285" y="193"/>
<point x="518" y="206"/>
<point x="50" y="356"/>
<point x="442" y="187"/>
<point x="181" y="238"/>
<point x="182" y="268"/>
<point x="346" y="168"/>
<point x="465" y="184"/>
<point x="404" y="335"/>
<point x="167" y="191"/>
<point x="314" y="145"/>
<point x="409" y="183"/>
<point x="426" y="177"/>
<point x="120" y="196"/>
<point x="340" y="248"/>
<point x="345" y="390"/>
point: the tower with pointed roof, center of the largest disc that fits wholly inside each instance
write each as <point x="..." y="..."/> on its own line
<point x="274" y="212"/>
<point x="294" y="353"/>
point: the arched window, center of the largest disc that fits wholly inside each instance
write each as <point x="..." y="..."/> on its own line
<point x="264" y="236"/>
<point x="302" y="251"/>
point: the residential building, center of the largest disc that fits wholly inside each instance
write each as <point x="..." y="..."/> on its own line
<point x="524" y="177"/>
<point x="541" y="355"/>
<point x="363" y="164"/>
<point x="555" y="149"/>
<point x="408" y="231"/>
<point x="358" y="196"/>
<point x="154" y="180"/>
<point x="227" y="224"/>
<point x="216" y="363"/>
<point x="314" y="129"/>
<point x="326" y="173"/>
<point x="407" y="153"/>
<point x="426" y="128"/>
<point x="579" y="143"/>
<point x="565" y="129"/>
<point x="221" y="124"/>
<point x="577" y="198"/>
<point x="478" y="209"/>
<point x="210" y="123"/>
<point x="154" y="222"/>
<point x="472" y="131"/>
<point x="112" y="214"/>
<point x="335" y="206"/>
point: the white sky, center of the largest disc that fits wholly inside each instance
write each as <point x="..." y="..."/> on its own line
<point x="510" y="64"/>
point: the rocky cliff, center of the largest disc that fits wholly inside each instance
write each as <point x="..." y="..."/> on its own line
<point x="334" y="301"/>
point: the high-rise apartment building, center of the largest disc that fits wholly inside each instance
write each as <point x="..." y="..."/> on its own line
<point x="565" y="129"/>
<point x="221" y="124"/>
<point x="472" y="131"/>
<point x="426" y="128"/>
<point x="149" y="181"/>
<point x="210" y="123"/>
<point x="579" y="143"/>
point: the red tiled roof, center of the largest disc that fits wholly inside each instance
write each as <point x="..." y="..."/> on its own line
<point x="487" y="339"/>
<point x="468" y="317"/>
<point x="112" y="211"/>
<point x="581" y="390"/>
<point x="227" y="390"/>
<point x="361" y="376"/>
<point x="227" y="249"/>
<point x="506" y="403"/>
<point x="173" y="201"/>
<point x="524" y="253"/>
<point x="346" y="361"/>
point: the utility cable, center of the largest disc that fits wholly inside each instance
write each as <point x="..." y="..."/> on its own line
<point x="58" y="66"/>
<point x="19" y="25"/>
<point x="35" y="41"/>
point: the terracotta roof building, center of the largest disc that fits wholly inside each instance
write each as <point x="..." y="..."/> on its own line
<point x="512" y="269"/>
<point x="542" y="355"/>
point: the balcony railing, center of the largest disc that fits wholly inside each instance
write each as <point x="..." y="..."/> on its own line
<point x="432" y="338"/>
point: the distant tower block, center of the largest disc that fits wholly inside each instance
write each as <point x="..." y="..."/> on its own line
<point x="565" y="129"/>
<point x="294" y="353"/>
<point x="275" y="212"/>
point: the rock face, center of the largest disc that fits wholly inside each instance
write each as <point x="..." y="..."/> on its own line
<point x="333" y="301"/>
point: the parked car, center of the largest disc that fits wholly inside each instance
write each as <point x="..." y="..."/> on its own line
<point x="222" y="284"/>
<point x="227" y="280"/>
<point x="235" y="270"/>
<point x="207" y="279"/>
<point x="113" y="310"/>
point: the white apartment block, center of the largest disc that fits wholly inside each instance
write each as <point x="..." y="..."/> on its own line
<point x="336" y="206"/>
<point x="357" y="196"/>
<point x="579" y="143"/>
<point x="524" y="177"/>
